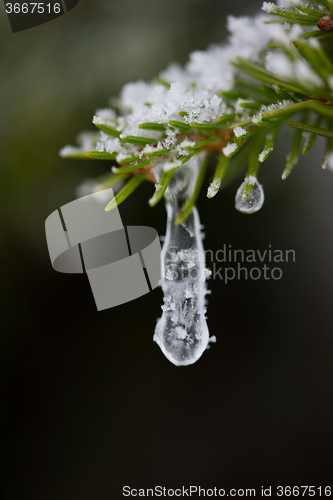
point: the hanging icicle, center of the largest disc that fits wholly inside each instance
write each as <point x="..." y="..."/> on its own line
<point x="182" y="331"/>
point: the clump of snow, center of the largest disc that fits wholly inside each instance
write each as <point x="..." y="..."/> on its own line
<point x="213" y="188"/>
<point x="239" y="131"/>
<point x="194" y="90"/>
<point x="187" y="144"/>
<point x="263" y="155"/>
<point x="112" y="145"/>
<point x="257" y="118"/>
<point x="170" y="165"/>
<point x="105" y="114"/>
<point x="229" y="149"/>
<point x="269" y="7"/>
<point x="251" y="179"/>
<point x="68" y="151"/>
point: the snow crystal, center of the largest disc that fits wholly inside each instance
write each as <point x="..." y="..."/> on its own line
<point x="229" y="148"/>
<point x="239" y="131"/>
<point x="112" y="145"/>
<point x="170" y="165"/>
<point x="269" y="7"/>
<point x="67" y="151"/>
<point x="257" y="118"/>
<point x="251" y="180"/>
<point x="105" y="114"/>
<point x="213" y="188"/>
<point x="100" y="147"/>
<point x="264" y="154"/>
<point x="187" y="144"/>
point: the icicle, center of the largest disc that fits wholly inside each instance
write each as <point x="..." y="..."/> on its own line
<point x="254" y="201"/>
<point x="182" y="331"/>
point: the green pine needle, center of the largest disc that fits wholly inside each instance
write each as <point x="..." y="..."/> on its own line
<point x="152" y="126"/>
<point x="124" y="193"/>
<point x="180" y="125"/>
<point x="138" y="141"/>
<point x="131" y="168"/>
<point x="96" y="155"/>
<point x="107" y="129"/>
<point x="220" y="173"/>
<point x="227" y="118"/>
<point x="161" y="186"/>
<point x="292" y="158"/>
<point x="309" y="128"/>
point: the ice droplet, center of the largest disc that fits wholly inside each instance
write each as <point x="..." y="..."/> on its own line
<point x="254" y="201"/>
<point x="182" y="331"/>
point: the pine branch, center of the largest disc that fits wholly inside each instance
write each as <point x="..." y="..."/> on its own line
<point x="237" y="116"/>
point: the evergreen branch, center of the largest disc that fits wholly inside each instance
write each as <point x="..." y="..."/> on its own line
<point x="239" y="119"/>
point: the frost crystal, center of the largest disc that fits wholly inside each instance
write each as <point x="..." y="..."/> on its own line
<point x="257" y="118"/>
<point x="239" y="131"/>
<point x="213" y="188"/>
<point x="229" y="149"/>
<point x="263" y="155"/>
<point x="269" y="7"/>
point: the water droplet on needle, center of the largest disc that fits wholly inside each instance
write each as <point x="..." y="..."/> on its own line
<point x="253" y="201"/>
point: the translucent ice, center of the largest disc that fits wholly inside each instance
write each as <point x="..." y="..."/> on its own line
<point x="254" y="201"/>
<point x="182" y="331"/>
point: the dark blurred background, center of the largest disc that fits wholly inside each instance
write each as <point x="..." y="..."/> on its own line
<point x="89" y="403"/>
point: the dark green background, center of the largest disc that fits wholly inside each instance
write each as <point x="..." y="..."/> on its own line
<point x="89" y="404"/>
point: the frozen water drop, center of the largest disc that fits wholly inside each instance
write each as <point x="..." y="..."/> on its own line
<point x="254" y="201"/>
<point x="182" y="332"/>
